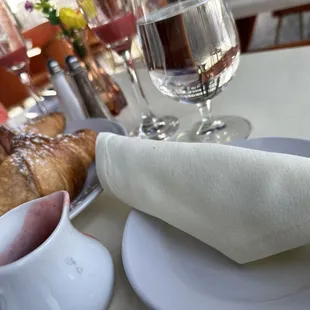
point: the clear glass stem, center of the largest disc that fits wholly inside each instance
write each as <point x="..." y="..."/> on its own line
<point x="26" y="80"/>
<point x="148" y="118"/>
<point x="208" y="123"/>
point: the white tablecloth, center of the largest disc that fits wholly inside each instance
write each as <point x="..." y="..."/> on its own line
<point x="245" y="8"/>
<point x="271" y="89"/>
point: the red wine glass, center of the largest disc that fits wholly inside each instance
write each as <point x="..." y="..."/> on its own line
<point x="192" y="51"/>
<point x="13" y="53"/>
<point x="115" y="25"/>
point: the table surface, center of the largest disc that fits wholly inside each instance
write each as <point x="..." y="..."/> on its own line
<point x="271" y="89"/>
<point x="245" y="8"/>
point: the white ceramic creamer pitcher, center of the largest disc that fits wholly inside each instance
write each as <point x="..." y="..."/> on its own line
<point x="46" y="264"/>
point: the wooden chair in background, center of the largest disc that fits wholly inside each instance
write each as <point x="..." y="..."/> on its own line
<point x="280" y="14"/>
<point x="245" y="27"/>
<point x="58" y="49"/>
<point x="283" y="46"/>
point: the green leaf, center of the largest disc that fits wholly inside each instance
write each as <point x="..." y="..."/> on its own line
<point x="65" y="32"/>
<point x="71" y="32"/>
<point x="46" y="10"/>
<point x="52" y="17"/>
<point x="79" y="48"/>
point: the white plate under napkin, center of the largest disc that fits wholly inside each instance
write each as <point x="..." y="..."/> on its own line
<point x="169" y="269"/>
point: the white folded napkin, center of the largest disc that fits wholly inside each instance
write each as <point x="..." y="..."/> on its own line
<point x="247" y="204"/>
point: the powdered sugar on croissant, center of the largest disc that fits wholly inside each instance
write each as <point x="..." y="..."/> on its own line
<point x="40" y="165"/>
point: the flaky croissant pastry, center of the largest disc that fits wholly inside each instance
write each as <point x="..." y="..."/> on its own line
<point x="39" y="166"/>
<point x="6" y="136"/>
<point x="49" y="125"/>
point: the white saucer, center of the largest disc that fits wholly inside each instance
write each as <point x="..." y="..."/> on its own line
<point x="171" y="270"/>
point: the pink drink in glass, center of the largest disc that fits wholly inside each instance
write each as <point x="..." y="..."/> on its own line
<point x="118" y="32"/>
<point x="15" y="61"/>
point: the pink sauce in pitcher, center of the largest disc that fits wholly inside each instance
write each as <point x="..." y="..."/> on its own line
<point x="40" y="222"/>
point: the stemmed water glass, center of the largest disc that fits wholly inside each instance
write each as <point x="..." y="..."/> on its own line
<point x="13" y="53"/>
<point x="192" y="51"/>
<point x="115" y="25"/>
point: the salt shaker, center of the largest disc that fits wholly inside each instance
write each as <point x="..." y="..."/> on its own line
<point x="67" y="92"/>
<point x="93" y="103"/>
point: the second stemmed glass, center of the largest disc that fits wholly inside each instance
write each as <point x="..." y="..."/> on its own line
<point x="115" y="25"/>
<point x="13" y="53"/>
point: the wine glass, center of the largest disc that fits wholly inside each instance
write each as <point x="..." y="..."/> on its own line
<point x="13" y="53"/>
<point x="192" y="51"/>
<point x="115" y="25"/>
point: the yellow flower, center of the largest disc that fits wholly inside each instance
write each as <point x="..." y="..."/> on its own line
<point x="88" y="8"/>
<point x="72" y="19"/>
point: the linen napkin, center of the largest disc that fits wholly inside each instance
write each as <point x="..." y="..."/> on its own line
<point x="247" y="204"/>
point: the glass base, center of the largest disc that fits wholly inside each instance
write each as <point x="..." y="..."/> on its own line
<point x="225" y="130"/>
<point x="164" y="128"/>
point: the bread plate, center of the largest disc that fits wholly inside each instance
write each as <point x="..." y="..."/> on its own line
<point x="92" y="187"/>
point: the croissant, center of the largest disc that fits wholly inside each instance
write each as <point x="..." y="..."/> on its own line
<point x="6" y="136"/>
<point x="40" y="165"/>
<point x="50" y="125"/>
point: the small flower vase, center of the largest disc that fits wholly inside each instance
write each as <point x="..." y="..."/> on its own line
<point x="108" y="89"/>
